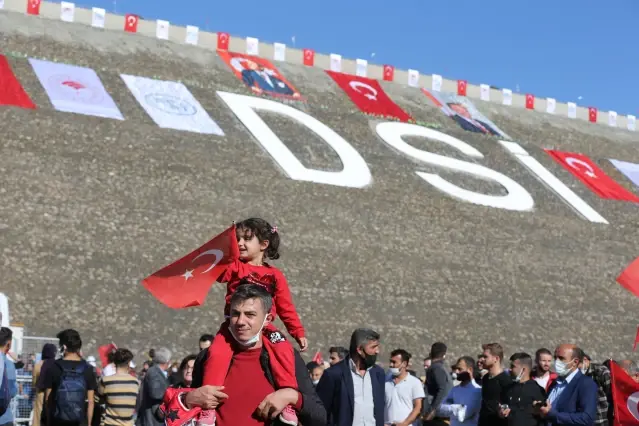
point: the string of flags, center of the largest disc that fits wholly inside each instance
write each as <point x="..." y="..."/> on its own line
<point x="163" y="28"/>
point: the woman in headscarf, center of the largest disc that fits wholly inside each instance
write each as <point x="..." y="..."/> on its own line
<point x="49" y="352"/>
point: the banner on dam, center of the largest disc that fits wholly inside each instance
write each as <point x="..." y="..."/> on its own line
<point x="464" y="113"/>
<point x="75" y="89"/>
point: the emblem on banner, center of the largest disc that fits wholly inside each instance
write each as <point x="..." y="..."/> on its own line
<point x="170" y="104"/>
<point x="68" y="87"/>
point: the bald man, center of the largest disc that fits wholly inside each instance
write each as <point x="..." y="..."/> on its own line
<point x="572" y="398"/>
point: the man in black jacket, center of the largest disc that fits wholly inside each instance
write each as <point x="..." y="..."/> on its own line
<point x="250" y="307"/>
<point x="438" y="383"/>
<point x="520" y="408"/>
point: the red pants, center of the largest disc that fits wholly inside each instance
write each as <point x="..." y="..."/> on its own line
<point x="281" y="356"/>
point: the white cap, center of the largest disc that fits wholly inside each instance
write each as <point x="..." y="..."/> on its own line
<point x="132" y="364"/>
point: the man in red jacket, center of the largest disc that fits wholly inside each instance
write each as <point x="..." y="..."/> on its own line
<point x="541" y="373"/>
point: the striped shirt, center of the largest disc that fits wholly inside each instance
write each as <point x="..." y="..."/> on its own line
<point x="119" y="392"/>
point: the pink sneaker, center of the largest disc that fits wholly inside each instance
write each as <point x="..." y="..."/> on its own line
<point x="206" y="418"/>
<point x="289" y="416"/>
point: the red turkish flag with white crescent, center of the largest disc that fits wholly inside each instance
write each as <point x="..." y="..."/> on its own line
<point x="309" y="57"/>
<point x="33" y="7"/>
<point x="461" y="87"/>
<point x="530" y="101"/>
<point x="625" y="396"/>
<point x="389" y="73"/>
<point x="592" y="176"/>
<point x="592" y="114"/>
<point x="223" y="41"/>
<point x="369" y="96"/>
<point x="187" y="281"/>
<point x="131" y="23"/>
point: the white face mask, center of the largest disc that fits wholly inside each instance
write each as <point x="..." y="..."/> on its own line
<point x="252" y="340"/>
<point x="315" y="382"/>
<point x="561" y="368"/>
<point x="395" y="371"/>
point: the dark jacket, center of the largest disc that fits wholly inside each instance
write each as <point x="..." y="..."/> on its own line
<point x="438" y="384"/>
<point x="577" y="404"/>
<point x="336" y="391"/>
<point x="152" y="391"/>
<point x="313" y="412"/>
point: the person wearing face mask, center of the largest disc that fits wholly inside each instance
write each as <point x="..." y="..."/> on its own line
<point x="404" y="393"/>
<point x="463" y="401"/>
<point x="353" y="390"/>
<point x="601" y="376"/>
<point x="315" y="370"/>
<point x="572" y="398"/>
<point x="250" y="395"/>
<point x="520" y="397"/>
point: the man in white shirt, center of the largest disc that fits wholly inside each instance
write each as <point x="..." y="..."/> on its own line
<point x="464" y="401"/>
<point x="404" y="393"/>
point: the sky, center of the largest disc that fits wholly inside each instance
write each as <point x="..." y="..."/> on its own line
<point x="565" y="49"/>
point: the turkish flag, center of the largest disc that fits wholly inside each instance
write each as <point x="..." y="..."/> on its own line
<point x="592" y="176"/>
<point x="223" y="41"/>
<point x="461" y="87"/>
<point x="318" y="358"/>
<point x="389" y="72"/>
<point x="592" y="114"/>
<point x="11" y="91"/>
<point x="530" y="101"/>
<point x="309" y="57"/>
<point x="625" y="396"/>
<point x="187" y="281"/>
<point x="33" y="7"/>
<point x="131" y="23"/>
<point x="104" y="351"/>
<point x="369" y="96"/>
<point x="629" y="279"/>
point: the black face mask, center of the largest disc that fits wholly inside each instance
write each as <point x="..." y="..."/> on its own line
<point x="464" y="376"/>
<point x="369" y="360"/>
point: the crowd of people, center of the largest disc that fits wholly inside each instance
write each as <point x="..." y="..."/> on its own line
<point x="249" y="374"/>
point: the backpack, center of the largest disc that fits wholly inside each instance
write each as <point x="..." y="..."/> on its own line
<point x="5" y="395"/>
<point x="71" y="393"/>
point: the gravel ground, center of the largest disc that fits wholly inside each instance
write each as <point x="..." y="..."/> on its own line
<point x="90" y="206"/>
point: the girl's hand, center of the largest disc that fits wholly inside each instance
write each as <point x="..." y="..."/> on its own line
<point x="303" y="344"/>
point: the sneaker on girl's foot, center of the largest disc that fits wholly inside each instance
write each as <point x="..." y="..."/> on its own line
<point x="206" y="418"/>
<point x="289" y="416"/>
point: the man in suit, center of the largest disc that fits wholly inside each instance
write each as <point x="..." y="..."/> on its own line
<point x="353" y="390"/>
<point x="152" y="391"/>
<point x="572" y="398"/>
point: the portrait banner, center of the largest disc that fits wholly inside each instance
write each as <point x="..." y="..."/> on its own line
<point x="260" y="75"/>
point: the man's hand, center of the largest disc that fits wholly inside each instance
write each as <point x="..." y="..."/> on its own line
<point x="504" y="413"/>
<point x="543" y="409"/>
<point x="430" y="416"/>
<point x="303" y="342"/>
<point x="275" y="402"/>
<point x="206" y="397"/>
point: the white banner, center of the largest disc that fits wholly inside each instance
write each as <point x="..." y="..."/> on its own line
<point x="75" y="89"/>
<point x="361" y="67"/>
<point x="437" y="83"/>
<point x="507" y="95"/>
<point x="252" y="46"/>
<point x="572" y="110"/>
<point x="162" y="29"/>
<point x="484" y="92"/>
<point x="612" y="118"/>
<point x="335" y="62"/>
<point x="551" y="105"/>
<point x="98" y="17"/>
<point x="171" y="105"/>
<point x="67" y="11"/>
<point x="632" y="122"/>
<point x="279" y="51"/>
<point x="413" y="78"/>
<point x="192" y="35"/>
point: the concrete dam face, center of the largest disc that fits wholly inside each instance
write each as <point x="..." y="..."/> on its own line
<point x="423" y="230"/>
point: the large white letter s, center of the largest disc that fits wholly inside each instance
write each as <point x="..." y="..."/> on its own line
<point x="517" y="198"/>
